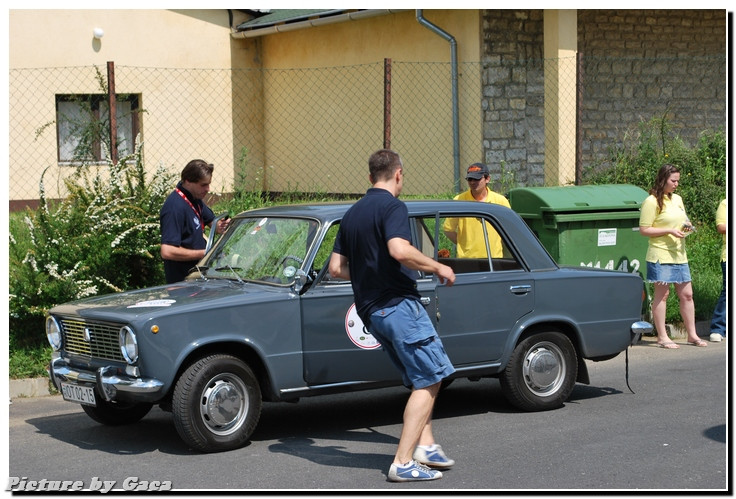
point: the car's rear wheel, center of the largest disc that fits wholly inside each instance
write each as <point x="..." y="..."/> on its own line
<point x="541" y="372"/>
<point x="115" y="414"/>
<point x="217" y="403"/>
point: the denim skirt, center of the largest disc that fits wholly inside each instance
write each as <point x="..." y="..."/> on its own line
<point x="668" y="273"/>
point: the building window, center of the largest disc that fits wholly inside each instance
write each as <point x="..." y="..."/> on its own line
<point x="82" y="123"/>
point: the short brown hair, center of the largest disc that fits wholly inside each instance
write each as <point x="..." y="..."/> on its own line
<point x="196" y="170"/>
<point x="382" y="164"/>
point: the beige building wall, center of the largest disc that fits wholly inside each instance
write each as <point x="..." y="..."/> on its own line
<point x="148" y="47"/>
<point x="397" y="36"/>
<point x="41" y="39"/>
<point x="560" y="98"/>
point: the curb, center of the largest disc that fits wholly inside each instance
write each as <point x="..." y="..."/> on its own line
<point x="702" y="328"/>
<point x="30" y="387"/>
<point x="42" y="387"/>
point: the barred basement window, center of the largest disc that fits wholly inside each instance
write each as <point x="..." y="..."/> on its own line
<point x="82" y="124"/>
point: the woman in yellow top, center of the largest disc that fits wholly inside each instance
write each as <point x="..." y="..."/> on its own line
<point x="664" y="221"/>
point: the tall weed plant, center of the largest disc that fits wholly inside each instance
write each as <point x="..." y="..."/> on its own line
<point x="104" y="237"/>
<point x="702" y="186"/>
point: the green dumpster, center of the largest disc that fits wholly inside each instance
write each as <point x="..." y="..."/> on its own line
<point x="589" y="225"/>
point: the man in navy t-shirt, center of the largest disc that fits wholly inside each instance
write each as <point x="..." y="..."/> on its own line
<point x="183" y="218"/>
<point x="373" y="250"/>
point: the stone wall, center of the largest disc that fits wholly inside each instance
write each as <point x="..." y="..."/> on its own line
<point x="644" y="64"/>
<point x="636" y="65"/>
<point x="513" y="95"/>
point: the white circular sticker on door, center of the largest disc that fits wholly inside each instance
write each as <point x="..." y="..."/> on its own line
<point x="357" y="331"/>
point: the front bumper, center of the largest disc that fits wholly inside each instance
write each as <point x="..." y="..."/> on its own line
<point x="112" y="383"/>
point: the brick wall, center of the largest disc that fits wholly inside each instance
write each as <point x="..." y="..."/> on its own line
<point x="513" y="94"/>
<point x="637" y="64"/>
<point x="641" y="64"/>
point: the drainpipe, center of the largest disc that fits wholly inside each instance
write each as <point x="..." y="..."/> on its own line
<point x="455" y="115"/>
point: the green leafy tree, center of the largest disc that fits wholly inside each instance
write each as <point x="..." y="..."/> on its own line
<point x="702" y="186"/>
<point x="103" y="237"/>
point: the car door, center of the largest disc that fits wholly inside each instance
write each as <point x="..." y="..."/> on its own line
<point x="337" y="348"/>
<point x="491" y="293"/>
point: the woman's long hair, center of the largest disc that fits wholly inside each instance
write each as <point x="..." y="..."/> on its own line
<point x="662" y="176"/>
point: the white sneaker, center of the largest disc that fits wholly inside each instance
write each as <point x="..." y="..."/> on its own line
<point x="412" y="472"/>
<point x="715" y="337"/>
<point x="434" y="458"/>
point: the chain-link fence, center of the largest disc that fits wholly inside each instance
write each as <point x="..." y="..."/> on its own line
<point x="534" y="122"/>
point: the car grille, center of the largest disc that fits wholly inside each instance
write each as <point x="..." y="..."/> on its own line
<point x="103" y="338"/>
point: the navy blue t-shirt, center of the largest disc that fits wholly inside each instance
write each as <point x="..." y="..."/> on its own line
<point x="377" y="278"/>
<point x="182" y="226"/>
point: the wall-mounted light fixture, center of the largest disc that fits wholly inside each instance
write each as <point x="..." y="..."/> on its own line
<point x="98" y="33"/>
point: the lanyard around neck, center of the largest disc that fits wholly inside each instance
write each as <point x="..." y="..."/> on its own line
<point x="197" y="212"/>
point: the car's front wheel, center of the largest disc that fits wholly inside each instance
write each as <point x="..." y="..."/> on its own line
<point x="217" y="403"/>
<point x="541" y="372"/>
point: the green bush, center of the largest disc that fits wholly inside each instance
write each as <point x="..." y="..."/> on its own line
<point x="104" y="237"/>
<point x="702" y="186"/>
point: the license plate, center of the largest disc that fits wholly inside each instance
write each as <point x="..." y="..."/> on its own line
<point x="79" y="394"/>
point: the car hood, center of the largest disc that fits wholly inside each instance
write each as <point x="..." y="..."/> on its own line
<point x="189" y="296"/>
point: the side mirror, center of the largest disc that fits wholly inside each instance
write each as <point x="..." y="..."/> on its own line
<point x="301" y="281"/>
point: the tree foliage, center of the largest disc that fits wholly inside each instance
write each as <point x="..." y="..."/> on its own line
<point x="103" y="237"/>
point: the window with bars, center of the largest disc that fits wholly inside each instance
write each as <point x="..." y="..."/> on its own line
<point x="83" y="126"/>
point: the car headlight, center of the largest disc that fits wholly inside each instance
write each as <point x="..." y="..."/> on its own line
<point x="128" y="344"/>
<point x="53" y="333"/>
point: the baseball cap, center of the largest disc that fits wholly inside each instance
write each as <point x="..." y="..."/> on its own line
<point x="477" y="170"/>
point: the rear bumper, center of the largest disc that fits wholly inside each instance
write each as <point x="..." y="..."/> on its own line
<point x="112" y="383"/>
<point x="639" y="328"/>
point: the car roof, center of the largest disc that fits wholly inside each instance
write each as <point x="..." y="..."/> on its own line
<point x="327" y="212"/>
<point x="336" y="209"/>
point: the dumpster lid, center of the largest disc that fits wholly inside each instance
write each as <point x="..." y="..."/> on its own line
<point x="576" y="198"/>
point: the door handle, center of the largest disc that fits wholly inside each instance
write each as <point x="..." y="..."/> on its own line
<point x="521" y="289"/>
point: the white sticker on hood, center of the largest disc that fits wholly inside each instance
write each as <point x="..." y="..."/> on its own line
<point x="152" y="303"/>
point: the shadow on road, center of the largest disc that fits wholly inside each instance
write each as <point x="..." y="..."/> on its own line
<point x="344" y="417"/>
<point x="154" y="432"/>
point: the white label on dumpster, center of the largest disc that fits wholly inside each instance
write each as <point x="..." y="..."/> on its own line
<point x="606" y="237"/>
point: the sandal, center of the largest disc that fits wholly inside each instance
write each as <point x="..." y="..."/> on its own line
<point x="670" y="345"/>
<point x="697" y="343"/>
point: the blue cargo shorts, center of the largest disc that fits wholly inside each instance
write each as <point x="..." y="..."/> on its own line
<point x="407" y="334"/>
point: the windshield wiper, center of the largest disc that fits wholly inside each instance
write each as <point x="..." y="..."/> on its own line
<point x="202" y="271"/>
<point x="233" y="270"/>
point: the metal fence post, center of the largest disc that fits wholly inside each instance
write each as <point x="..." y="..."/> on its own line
<point x="112" y="110"/>
<point x="387" y="103"/>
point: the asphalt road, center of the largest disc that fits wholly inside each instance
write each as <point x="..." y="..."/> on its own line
<point x="671" y="434"/>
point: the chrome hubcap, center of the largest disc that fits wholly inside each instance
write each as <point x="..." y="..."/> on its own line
<point x="544" y="367"/>
<point x="224" y="404"/>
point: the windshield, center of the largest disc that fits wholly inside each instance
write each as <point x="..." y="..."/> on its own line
<point x="262" y="249"/>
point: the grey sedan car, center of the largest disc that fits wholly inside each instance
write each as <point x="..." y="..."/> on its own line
<point x="261" y="319"/>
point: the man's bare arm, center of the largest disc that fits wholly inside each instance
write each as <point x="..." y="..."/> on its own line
<point x="338" y="267"/>
<point x="179" y="254"/>
<point x="401" y="250"/>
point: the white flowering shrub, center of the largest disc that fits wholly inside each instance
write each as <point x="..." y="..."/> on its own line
<point x="104" y="237"/>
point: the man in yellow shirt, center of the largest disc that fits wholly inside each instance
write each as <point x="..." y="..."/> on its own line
<point x="467" y="233"/>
